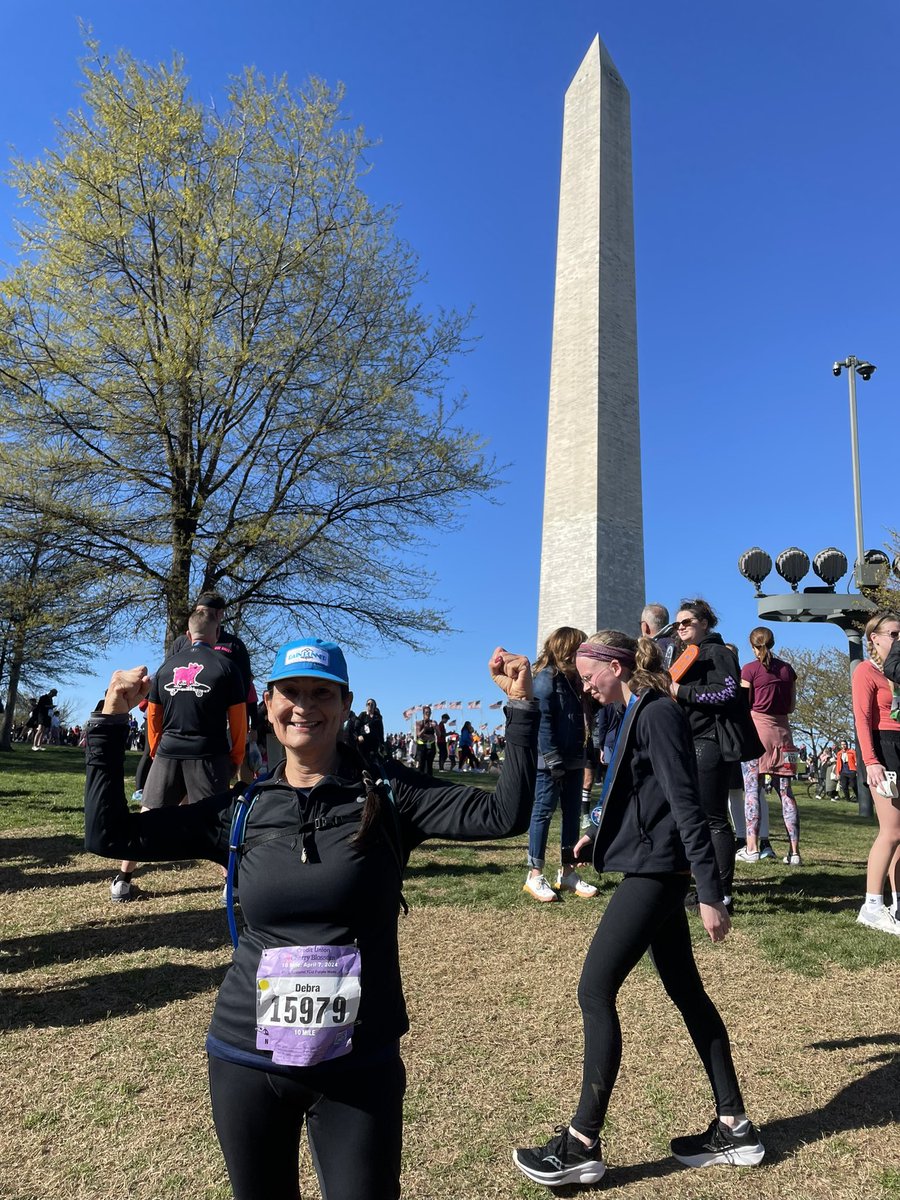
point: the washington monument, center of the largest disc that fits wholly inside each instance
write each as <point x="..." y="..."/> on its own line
<point x="592" y="550"/>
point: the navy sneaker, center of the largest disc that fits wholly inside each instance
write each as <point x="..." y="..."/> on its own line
<point x="719" y="1146"/>
<point x="564" y="1159"/>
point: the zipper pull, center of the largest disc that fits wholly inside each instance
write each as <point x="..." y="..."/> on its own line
<point x="303" y="855"/>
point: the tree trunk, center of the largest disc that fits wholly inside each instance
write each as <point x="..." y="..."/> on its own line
<point x="12" y="692"/>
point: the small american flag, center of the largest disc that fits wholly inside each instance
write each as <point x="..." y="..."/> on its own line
<point x="497" y="704"/>
<point x="455" y="704"/>
<point x="474" y="704"/>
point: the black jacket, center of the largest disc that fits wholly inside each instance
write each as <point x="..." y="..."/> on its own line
<point x="343" y="893"/>
<point x="892" y="664"/>
<point x="710" y="687"/>
<point x="652" y="822"/>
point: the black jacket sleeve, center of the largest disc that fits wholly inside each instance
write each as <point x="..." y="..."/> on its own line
<point x="892" y="664"/>
<point x="433" y="809"/>
<point x="189" y="831"/>
<point x="671" y="751"/>
<point x="718" y="687"/>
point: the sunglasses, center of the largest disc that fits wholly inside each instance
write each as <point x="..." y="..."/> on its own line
<point x="684" y="624"/>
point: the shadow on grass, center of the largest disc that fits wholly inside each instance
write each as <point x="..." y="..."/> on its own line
<point x="865" y="1103"/>
<point x="100" y="997"/>
<point x="809" y="891"/>
<point x="193" y="930"/>
<point x="443" y="870"/>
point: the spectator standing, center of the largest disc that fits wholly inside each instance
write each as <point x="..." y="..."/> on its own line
<point x="845" y="769"/>
<point x="441" y="735"/>
<point x="771" y="683"/>
<point x="195" y="701"/>
<point x="655" y="624"/>
<point x="876" y="711"/>
<point x="561" y="761"/>
<point x="370" y="730"/>
<point x="709" y="694"/>
<point x="43" y="716"/>
<point x="426" y="742"/>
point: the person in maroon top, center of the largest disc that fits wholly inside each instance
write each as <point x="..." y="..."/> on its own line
<point x="771" y="683"/>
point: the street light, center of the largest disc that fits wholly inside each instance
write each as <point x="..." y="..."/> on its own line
<point x="864" y="576"/>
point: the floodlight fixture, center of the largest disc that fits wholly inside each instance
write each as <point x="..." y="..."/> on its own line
<point x="830" y="564"/>
<point x="792" y="564"/>
<point x="873" y="570"/>
<point x="895" y="566"/>
<point x="755" y="564"/>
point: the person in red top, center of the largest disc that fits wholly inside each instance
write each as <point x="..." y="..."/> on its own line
<point x="771" y="683"/>
<point x="876" y="712"/>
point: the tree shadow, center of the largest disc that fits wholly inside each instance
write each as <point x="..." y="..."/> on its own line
<point x="193" y="930"/>
<point x="94" y="998"/>
<point x="433" y="869"/>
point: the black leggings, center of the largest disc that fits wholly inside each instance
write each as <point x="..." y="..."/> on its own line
<point x="714" y="775"/>
<point x="646" y="912"/>
<point x="354" y="1122"/>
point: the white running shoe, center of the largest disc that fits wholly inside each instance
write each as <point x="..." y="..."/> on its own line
<point x="792" y="860"/>
<point x="880" y="919"/>
<point x="766" y="852"/>
<point x="120" y="890"/>
<point x="745" y="855"/>
<point x="571" y="881"/>
<point x="539" y="889"/>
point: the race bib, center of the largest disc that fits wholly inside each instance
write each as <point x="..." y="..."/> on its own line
<point x="307" y="1000"/>
<point x="791" y="756"/>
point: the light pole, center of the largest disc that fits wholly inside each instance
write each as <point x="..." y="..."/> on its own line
<point x="847" y="612"/>
<point x="853" y="366"/>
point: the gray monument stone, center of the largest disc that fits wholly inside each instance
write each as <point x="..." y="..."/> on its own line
<point x="592" y="551"/>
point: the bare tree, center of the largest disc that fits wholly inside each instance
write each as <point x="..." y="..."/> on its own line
<point x="823" y="712"/>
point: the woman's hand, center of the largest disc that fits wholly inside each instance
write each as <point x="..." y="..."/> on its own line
<point x="126" y="689"/>
<point x="716" y="920"/>
<point x="512" y="674"/>
<point x="581" y="845"/>
<point x="874" y="775"/>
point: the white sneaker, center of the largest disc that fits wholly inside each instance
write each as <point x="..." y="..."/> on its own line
<point x="879" y="919"/>
<point x="766" y="852"/>
<point x="120" y="890"/>
<point x="792" y="860"/>
<point x="745" y="855"/>
<point x="539" y="889"/>
<point x="571" y="881"/>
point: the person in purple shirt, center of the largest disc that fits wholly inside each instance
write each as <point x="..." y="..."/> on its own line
<point x="772" y="683"/>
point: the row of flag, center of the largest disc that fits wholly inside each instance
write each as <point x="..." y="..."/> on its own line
<point x="446" y="706"/>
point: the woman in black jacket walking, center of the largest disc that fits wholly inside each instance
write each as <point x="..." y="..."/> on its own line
<point x="708" y="692"/>
<point x="652" y="829"/>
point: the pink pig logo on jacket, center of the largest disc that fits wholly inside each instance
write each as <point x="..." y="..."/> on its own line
<point x="184" y="679"/>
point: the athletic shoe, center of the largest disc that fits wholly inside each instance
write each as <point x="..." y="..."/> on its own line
<point x="746" y="855"/>
<point x="880" y="919"/>
<point x="539" y="889"/>
<point x="137" y="795"/>
<point x="720" y="1146"/>
<point x="766" y="851"/>
<point x="564" y="1159"/>
<point x="691" y="900"/>
<point x="571" y="881"/>
<point x="792" y="860"/>
<point x="120" y="890"/>
<point x="224" y="897"/>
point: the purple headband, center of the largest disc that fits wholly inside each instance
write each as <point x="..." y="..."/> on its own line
<point x="606" y="653"/>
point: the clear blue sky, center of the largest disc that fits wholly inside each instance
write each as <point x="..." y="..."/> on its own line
<point x="766" y="185"/>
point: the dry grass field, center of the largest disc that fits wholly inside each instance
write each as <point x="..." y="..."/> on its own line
<point x="104" y="1011"/>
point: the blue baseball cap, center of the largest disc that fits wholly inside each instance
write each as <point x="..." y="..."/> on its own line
<point x="310" y="657"/>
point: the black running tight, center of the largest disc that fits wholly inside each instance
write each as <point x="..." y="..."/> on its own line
<point x="353" y="1120"/>
<point x="646" y="912"/>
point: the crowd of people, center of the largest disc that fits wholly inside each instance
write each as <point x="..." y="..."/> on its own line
<point x="682" y="744"/>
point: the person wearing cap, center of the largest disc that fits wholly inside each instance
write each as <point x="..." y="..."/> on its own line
<point x="309" y="1017"/>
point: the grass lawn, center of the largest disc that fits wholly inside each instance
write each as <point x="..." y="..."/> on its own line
<point x="105" y="1009"/>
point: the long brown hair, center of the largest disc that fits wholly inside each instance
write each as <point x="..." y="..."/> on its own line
<point x="649" y="674"/>
<point x="762" y="639"/>
<point x="872" y="626"/>
<point x="558" y="650"/>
